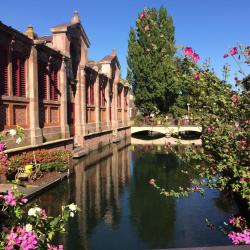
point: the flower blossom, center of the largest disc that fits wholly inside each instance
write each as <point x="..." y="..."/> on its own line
<point x="225" y="56"/>
<point x="34" y="211"/>
<point x="240" y="237"/>
<point x="52" y="247"/>
<point x="12" y="132"/>
<point x="197" y="76"/>
<point x="21" y="238"/>
<point x="233" y="51"/>
<point x="142" y="15"/>
<point x="18" y="140"/>
<point x="10" y="199"/>
<point x="152" y="181"/>
<point x="2" y="146"/>
<point x="235" y="99"/>
<point x="72" y="207"/>
<point x="188" y="51"/>
<point x="210" y="129"/>
<point x="195" y="57"/>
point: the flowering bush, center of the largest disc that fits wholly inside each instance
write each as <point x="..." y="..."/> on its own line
<point x="57" y="160"/>
<point x="25" y="227"/>
<point x="224" y="114"/>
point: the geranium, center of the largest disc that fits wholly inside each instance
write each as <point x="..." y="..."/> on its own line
<point x="10" y="199"/>
<point x="195" y="57"/>
<point x="233" y="51"/>
<point x="152" y="181"/>
<point x="235" y="99"/>
<point x="142" y="15"/>
<point x="197" y="76"/>
<point x="2" y="146"/>
<point x="188" y="51"/>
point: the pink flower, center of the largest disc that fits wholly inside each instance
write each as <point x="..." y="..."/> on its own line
<point x="2" y="146"/>
<point x="233" y="51"/>
<point x="151" y="181"/>
<point x="188" y="51"/>
<point x="197" y="76"/>
<point x="196" y="188"/>
<point x="142" y="15"/>
<point x="225" y="56"/>
<point x="196" y="57"/>
<point x="10" y="199"/>
<point x="231" y="219"/>
<point x="240" y="237"/>
<point x="235" y="99"/>
<point x="24" y="200"/>
<point x="210" y="129"/>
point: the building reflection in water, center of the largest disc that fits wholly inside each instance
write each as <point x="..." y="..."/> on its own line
<point x="96" y="187"/>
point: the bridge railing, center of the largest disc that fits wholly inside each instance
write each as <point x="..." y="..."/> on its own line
<point x="168" y="122"/>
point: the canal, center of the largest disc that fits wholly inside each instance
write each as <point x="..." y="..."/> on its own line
<point x="120" y="210"/>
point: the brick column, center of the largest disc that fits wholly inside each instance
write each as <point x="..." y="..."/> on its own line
<point x="63" y="101"/>
<point x="35" y="131"/>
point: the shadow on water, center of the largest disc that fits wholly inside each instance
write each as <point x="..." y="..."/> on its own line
<point x="120" y="210"/>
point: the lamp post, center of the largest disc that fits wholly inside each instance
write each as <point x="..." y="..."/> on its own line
<point x="188" y="104"/>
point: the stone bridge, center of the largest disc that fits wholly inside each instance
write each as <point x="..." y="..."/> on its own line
<point x="166" y="130"/>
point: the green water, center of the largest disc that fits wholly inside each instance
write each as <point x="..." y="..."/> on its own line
<point x="120" y="210"/>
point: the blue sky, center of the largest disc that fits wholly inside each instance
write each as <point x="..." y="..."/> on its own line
<point x="209" y="26"/>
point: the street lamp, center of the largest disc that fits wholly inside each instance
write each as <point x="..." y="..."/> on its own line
<point x="188" y="104"/>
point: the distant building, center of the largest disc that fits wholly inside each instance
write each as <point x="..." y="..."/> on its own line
<point x="48" y="87"/>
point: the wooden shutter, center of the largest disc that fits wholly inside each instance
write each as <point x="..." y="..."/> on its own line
<point x="42" y="80"/>
<point x="54" y="85"/>
<point x="3" y="72"/>
<point x="18" y="75"/>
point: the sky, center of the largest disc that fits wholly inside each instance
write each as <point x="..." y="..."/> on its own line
<point x="210" y="27"/>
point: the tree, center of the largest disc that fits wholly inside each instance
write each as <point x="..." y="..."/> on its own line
<point x="151" y="65"/>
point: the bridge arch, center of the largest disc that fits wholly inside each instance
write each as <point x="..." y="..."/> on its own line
<point x="167" y="130"/>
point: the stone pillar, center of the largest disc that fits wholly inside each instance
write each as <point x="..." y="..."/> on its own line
<point x="107" y="94"/>
<point x="78" y="111"/>
<point x="35" y="131"/>
<point x="97" y="103"/>
<point x="63" y="101"/>
<point x="123" y="105"/>
<point x="83" y="100"/>
<point x="114" y="110"/>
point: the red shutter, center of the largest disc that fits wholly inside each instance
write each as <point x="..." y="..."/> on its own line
<point x="53" y="85"/>
<point x="3" y="72"/>
<point x="18" y="75"/>
<point x="42" y="80"/>
<point x="92" y="94"/>
<point x="22" y="77"/>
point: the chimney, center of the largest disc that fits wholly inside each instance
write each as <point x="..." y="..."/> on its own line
<point x="75" y="19"/>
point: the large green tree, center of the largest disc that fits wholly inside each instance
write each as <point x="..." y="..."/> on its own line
<point x="151" y="64"/>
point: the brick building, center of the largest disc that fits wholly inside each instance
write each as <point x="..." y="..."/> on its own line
<point x="50" y="88"/>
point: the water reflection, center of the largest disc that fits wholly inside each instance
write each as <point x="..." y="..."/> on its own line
<point x="120" y="210"/>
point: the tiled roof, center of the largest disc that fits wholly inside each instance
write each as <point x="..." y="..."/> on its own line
<point x="45" y="38"/>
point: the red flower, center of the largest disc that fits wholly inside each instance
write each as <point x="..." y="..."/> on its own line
<point x="225" y="56"/>
<point x="196" y="188"/>
<point x="196" y="57"/>
<point x="142" y="15"/>
<point x="196" y="76"/>
<point x="235" y="99"/>
<point x="233" y="51"/>
<point x="151" y="181"/>
<point x="188" y="51"/>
